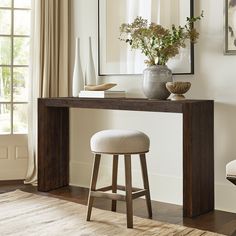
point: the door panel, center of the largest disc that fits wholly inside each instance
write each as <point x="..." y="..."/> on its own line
<point x="13" y="156"/>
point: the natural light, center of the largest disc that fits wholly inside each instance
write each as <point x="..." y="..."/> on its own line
<point x="14" y="65"/>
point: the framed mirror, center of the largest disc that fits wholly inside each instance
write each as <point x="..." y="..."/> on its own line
<point x="115" y="57"/>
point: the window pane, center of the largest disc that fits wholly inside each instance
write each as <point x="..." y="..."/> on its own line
<point x="22" y="3"/>
<point x="5" y="22"/>
<point x="5" y="119"/>
<point x="21" y="22"/>
<point x="5" y="3"/>
<point x="21" y="51"/>
<point x="20" y="84"/>
<point x="20" y="118"/>
<point x="5" y="84"/>
<point x="5" y="50"/>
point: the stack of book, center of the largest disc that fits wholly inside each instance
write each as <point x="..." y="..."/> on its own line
<point x="102" y="94"/>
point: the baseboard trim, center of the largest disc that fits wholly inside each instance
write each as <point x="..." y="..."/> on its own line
<point x="11" y="182"/>
<point x="12" y="174"/>
<point x="225" y="195"/>
<point x="164" y="188"/>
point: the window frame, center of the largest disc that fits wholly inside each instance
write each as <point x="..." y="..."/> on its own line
<point x="12" y="36"/>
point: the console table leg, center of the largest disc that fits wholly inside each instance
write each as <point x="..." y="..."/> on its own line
<point x="53" y="147"/>
<point x="198" y="158"/>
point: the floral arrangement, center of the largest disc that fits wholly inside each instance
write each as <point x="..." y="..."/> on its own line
<point x="157" y="43"/>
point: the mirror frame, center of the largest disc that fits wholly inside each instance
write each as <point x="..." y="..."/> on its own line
<point x="191" y="10"/>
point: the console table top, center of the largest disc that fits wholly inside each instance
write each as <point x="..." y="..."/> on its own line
<point x="135" y="104"/>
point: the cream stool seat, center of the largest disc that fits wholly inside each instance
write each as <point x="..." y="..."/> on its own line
<point x="120" y="142"/>
<point x="231" y="171"/>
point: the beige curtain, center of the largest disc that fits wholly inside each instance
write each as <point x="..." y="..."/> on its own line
<point x="49" y="65"/>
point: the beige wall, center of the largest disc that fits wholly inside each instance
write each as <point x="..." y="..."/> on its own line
<point x="215" y="78"/>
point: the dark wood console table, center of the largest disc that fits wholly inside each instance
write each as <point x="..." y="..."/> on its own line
<point x="198" y="143"/>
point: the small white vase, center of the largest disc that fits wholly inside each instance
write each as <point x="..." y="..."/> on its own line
<point x="90" y="75"/>
<point x="78" y="80"/>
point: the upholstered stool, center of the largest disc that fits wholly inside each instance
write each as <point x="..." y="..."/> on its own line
<point x="231" y="171"/>
<point x="120" y="142"/>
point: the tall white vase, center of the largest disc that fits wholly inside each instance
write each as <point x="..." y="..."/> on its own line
<point x="90" y="70"/>
<point x="78" y="80"/>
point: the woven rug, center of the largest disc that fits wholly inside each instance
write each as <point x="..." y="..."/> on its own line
<point x="29" y="214"/>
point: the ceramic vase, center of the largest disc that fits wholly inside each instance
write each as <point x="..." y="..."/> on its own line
<point x="77" y="80"/>
<point x="90" y="70"/>
<point x="154" y="82"/>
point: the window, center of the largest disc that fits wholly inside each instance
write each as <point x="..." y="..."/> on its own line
<point x="14" y="65"/>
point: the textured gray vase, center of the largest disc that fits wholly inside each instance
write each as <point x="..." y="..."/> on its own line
<point x="154" y="82"/>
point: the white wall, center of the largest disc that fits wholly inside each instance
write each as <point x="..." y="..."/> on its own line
<point x="215" y="78"/>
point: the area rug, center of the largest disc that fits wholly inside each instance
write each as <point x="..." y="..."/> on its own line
<point x="29" y="214"/>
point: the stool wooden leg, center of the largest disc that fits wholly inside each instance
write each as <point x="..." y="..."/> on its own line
<point x="96" y="163"/>
<point x="128" y="189"/>
<point x="114" y="180"/>
<point x="146" y="183"/>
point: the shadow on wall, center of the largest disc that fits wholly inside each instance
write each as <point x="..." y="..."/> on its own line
<point x="225" y="137"/>
<point x="83" y="124"/>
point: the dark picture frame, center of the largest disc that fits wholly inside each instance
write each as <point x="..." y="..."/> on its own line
<point x="101" y="73"/>
<point x="230" y="27"/>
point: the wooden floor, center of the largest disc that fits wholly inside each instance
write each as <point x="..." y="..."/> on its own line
<point x="215" y="221"/>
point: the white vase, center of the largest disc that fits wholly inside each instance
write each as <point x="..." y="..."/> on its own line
<point x="90" y="70"/>
<point x="78" y="80"/>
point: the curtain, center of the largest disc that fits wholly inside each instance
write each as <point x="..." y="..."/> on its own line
<point x="48" y="65"/>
